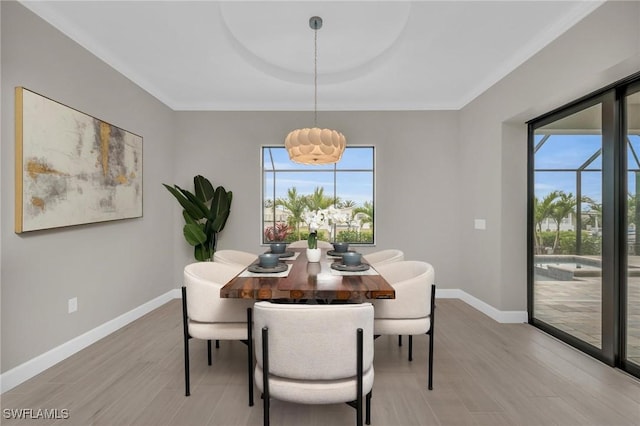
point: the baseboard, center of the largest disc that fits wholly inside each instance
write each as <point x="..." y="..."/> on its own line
<point x="23" y="372"/>
<point x="505" y="317"/>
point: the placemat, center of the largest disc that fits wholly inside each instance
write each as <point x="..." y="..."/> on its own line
<point x="332" y="271"/>
<point x="283" y="259"/>
<point x="246" y="273"/>
<point x="294" y="257"/>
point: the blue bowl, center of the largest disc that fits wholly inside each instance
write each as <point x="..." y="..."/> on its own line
<point x="278" y="247"/>
<point x="352" y="258"/>
<point x="268" y="260"/>
<point x="341" y="247"/>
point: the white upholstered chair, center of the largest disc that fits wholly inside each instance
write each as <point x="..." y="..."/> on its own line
<point x="236" y="257"/>
<point x="314" y="354"/>
<point x="207" y="316"/>
<point x="383" y="257"/>
<point x="412" y="311"/>
<point x="303" y="244"/>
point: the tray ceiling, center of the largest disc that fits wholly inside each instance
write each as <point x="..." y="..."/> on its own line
<point x="372" y="55"/>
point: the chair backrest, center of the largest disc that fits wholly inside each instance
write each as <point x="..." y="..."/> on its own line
<point x="314" y="342"/>
<point x="383" y="257"/>
<point x="203" y="281"/>
<point x="234" y="257"/>
<point x="303" y="244"/>
<point x="412" y="280"/>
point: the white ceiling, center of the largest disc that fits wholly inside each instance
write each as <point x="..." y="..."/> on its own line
<point x="372" y="55"/>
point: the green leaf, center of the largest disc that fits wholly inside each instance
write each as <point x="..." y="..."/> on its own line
<point x="203" y="188"/>
<point x="226" y="215"/>
<point x="203" y="234"/>
<point x="219" y="204"/>
<point x="202" y="207"/>
<point x="192" y="209"/>
<point x="188" y="218"/>
<point x="194" y="234"/>
<point x="220" y="221"/>
<point x="201" y="253"/>
<point x="312" y="240"/>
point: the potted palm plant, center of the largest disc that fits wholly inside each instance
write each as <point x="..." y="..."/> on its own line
<point x="205" y="214"/>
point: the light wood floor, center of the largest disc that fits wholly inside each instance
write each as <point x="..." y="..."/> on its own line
<point x="485" y="374"/>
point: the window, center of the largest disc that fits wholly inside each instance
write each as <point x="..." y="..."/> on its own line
<point x="344" y="192"/>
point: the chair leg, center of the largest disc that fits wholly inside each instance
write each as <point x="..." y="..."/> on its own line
<point x="431" y="335"/>
<point x="430" y="384"/>
<point x="410" y="348"/>
<point x="368" y="413"/>
<point x="209" y="351"/>
<point x="399" y="340"/>
<point x="265" y="375"/>
<point x="359" y="378"/>
<point x="250" y="354"/>
<point x="217" y="344"/>
<point x="185" y="328"/>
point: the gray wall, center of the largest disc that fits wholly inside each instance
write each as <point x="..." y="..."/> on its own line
<point x="436" y="173"/>
<point x="599" y="50"/>
<point x="417" y="204"/>
<point x="111" y="267"/>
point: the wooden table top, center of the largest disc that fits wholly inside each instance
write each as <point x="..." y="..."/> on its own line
<point x="310" y="280"/>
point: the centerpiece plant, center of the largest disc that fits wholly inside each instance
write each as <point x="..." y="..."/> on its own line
<point x="325" y="219"/>
<point x="312" y="240"/>
<point x="313" y="252"/>
<point x="205" y="214"/>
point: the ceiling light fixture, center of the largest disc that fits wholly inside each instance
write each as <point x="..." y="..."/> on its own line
<point x="315" y="146"/>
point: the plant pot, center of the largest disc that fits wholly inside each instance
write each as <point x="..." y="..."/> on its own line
<point x="313" y="255"/>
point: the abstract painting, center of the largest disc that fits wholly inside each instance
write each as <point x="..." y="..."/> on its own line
<point x="72" y="168"/>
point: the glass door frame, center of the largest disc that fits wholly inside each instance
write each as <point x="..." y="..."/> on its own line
<point x="623" y="313"/>
<point x="614" y="224"/>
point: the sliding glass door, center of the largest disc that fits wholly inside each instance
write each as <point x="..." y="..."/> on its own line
<point x="584" y="224"/>
<point x="631" y="297"/>
<point x="567" y="252"/>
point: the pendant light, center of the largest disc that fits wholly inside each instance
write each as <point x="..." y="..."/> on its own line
<point x="315" y="145"/>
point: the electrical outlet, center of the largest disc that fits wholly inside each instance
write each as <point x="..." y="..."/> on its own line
<point x="73" y="305"/>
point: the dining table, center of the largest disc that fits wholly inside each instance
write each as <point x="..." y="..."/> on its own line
<point x="305" y="281"/>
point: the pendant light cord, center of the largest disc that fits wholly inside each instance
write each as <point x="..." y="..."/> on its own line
<point x="315" y="78"/>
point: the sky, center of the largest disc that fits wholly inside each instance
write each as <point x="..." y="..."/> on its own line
<point x="566" y="151"/>
<point x="354" y="174"/>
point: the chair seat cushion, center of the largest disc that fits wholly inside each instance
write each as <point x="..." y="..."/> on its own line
<point x="218" y="330"/>
<point x="408" y="326"/>
<point x="314" y="392"/>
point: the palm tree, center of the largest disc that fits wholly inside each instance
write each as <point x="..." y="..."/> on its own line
<point x="594" y="212"/>
<point x="319" y="201"/>
<point x="542" y="210"/>
<point x="367" y="210"/>
<point x="295" y="204"/>
<point x="633" y="218"/>
<point x="346" y="204"/>
<point x="564" y="205"/>
<point x="633" y="201"/>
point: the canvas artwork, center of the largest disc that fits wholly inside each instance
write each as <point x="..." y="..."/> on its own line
<point x="72" y="168"/>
